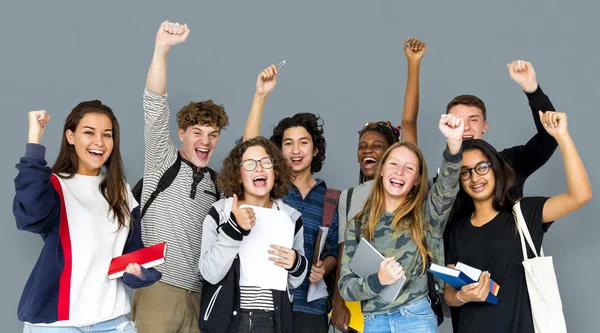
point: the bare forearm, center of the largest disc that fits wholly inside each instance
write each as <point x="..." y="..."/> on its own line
<point x="157" y="74"/>
<point x="254" y="120"/>
<point x="410" y="112"/>
<point x="578" y="182"/>
<point x="329" y="263"/>
<point x="450" y="296"/>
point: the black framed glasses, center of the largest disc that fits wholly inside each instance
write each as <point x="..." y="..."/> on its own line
<point x="482" y="168"/>
<point x="250" y="165"/>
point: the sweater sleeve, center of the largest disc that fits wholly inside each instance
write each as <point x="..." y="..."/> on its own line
<point x="221" y="241"/>
<point x="297" y="273"/>
<point x="341" y="213"/>
<point x="438" y="205"/>
<point x="526" y="159"/>
<point x="352" y="288"/>
<point x="134" y="242"/>
<point x="36" y="205"/>
<point x="159" y="147"/>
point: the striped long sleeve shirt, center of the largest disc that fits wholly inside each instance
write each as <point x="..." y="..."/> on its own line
<point x="176" y="215"/>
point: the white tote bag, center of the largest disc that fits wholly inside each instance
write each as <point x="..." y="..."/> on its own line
<point x="546" y="306"/>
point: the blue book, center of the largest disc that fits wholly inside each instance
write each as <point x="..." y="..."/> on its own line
<point x="462" y="275"/>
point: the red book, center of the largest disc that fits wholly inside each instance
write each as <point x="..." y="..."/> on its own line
<point x="147" y="257"/>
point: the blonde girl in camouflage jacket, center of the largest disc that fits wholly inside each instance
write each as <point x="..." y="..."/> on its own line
<point x="399" y="218"/>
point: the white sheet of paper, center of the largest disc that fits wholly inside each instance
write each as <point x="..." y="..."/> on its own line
<point x="256" y="270"/>
<point x="319" y="289"/>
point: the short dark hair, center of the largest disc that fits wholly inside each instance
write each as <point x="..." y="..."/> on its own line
<point x="505" y="179"/>
<point x="468" y="100"/>
<point x="229" y="178"/>
<point x="314" y="126"/>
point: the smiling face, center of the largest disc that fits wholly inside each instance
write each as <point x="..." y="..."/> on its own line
<point x="371" y="147"/>
<point x="476" y="177"/>
<point x="257" y="183"/>
<point x="297" y="147"/>
<point x="400" y="172"/>
<point x="475" y="125"/>
<point x="198" y="143"/>
<point x="93" y="142"/>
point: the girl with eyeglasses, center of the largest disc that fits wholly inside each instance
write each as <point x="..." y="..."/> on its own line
<point x="254" y="173"/>
<point x="484" y="231"/>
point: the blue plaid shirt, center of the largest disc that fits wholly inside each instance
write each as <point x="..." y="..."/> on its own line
<point x="311" y="208"/>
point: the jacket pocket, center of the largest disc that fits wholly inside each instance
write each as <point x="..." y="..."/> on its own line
<point x="211" y="304"/>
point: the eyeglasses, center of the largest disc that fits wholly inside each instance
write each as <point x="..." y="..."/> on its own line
<point x="250" y="165"/>
<point x="482" y="168"/>
<point x="386" y="124"/>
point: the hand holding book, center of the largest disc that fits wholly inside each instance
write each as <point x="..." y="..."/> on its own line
<point x="390" y="271"/>
<point x="475" y="292"/>
<point x="135" y="269"/>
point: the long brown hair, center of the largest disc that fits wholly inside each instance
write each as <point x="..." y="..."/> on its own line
<point x="113" y="186"/>
<point x="409" y="215"/>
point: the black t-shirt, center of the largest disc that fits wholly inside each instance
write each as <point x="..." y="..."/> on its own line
<point x="496" y="247"/>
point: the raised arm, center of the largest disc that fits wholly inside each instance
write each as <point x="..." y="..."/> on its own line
<point x="168" y="35"/>
<point x="528" y="158"/>
<point x="36" y="205"/>
<point x="159" y="147"/>
<point x="440" y="198"/>
<point x="579" y="189"/>
<point x="265" y="83"/>
<point x="414" y="50"/>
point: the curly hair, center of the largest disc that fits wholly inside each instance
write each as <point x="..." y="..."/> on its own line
<point x="385" y="128"/>
<point x="314" y="126"/>
<point x="205" y="113"/>
<point x="229" y="179"/>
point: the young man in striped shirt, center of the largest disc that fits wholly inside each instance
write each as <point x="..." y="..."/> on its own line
<point x="177" y="214"/>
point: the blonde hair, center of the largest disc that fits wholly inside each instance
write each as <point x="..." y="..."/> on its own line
<point x="410" y="211"/>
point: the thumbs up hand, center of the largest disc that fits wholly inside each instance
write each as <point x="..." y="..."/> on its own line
<point x="244" y="217"/>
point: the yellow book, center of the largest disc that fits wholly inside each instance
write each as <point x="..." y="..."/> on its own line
<point x="357" y="321"/>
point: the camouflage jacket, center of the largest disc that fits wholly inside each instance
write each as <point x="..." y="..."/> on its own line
<point x="399" y="244"/>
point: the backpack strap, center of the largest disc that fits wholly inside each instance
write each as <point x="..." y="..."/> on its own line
<point x="332" y="196"/>
<point x="213" y="177"/>
<point x="165" y="181"/>
<point x="348" y="202"/>
<point x="357" y="230"/>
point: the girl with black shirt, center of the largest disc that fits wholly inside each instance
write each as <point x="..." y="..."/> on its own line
<point x="484" y="233"/>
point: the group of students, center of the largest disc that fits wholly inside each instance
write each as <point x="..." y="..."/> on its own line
<point x="87" y="214"/>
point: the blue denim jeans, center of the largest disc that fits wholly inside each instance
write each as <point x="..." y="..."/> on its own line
<point x="416" y="317"/>
<point x="117" y="325"/>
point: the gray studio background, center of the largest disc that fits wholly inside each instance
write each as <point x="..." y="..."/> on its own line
<point x="345" y="62"/>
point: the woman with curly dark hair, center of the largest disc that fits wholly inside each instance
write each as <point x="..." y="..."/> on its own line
<point x="255" y="173"/>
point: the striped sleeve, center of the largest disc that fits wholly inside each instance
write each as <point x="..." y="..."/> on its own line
<point x="300" y="267"/>
<point x="159" y="148"/>
<point x="218" y="248"/>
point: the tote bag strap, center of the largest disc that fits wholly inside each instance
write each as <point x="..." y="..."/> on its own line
<point x="524" y="232"/>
